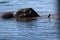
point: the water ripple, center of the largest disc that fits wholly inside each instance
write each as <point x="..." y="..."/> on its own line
<point x="3" y="2"/>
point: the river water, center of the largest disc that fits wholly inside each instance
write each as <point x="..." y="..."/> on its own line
<point x="40" y="29"/>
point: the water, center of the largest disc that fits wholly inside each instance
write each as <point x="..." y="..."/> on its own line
<point x="40" y="29"/>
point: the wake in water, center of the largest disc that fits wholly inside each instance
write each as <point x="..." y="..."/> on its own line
<point x="3" y="2"/>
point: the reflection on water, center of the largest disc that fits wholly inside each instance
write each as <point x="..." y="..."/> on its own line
<point x="40" y="29"/>
<point x="36" y="30"/>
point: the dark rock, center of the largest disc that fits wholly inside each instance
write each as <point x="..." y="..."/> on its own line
<point x="7" y="15"/>
<point x="27" y="12"/>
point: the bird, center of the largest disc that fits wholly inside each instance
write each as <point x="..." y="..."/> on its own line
<point x="49" y="15"/>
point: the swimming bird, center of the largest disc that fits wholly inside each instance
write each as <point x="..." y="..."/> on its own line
<point x="49" y="15"/>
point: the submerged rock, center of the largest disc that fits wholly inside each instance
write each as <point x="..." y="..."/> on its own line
<point x="27" y="19"/>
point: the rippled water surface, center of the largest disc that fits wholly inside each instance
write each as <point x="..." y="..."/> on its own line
<point x="40" y="29"/>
